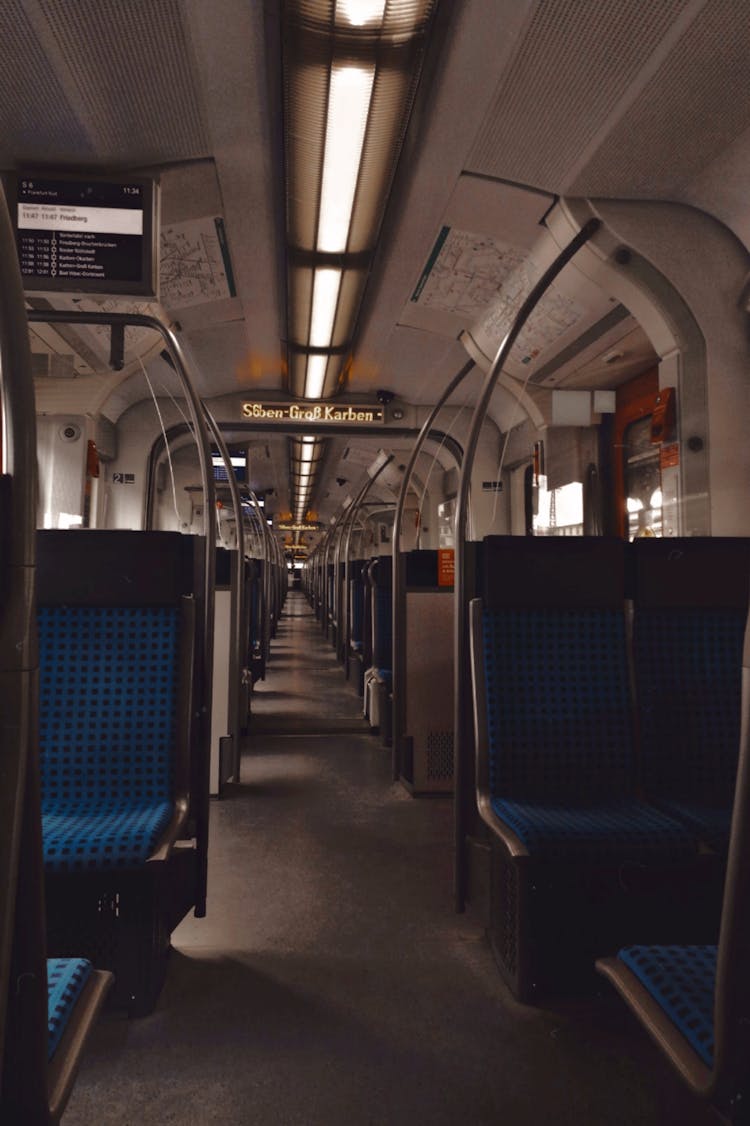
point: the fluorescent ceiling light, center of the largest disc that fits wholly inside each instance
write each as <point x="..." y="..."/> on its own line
<point x="324" y="301"/>
<point x="348" y="109"/>
<point x="359" y="12"/>
<point x="315" y="376"/>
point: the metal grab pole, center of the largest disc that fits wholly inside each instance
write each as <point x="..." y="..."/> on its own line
<point x="265" y="536"/>
<point x="352" y="516"/>
<point x="397" y="572"/>
<point x="141" y="320"/>
<point x="329" y="542"/>
<point x="461" y="717"/>
<point x="18" y="658"/>
<point x="238" y="591"/>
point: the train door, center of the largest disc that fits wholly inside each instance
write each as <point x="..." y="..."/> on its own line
<point x="639" y="447"/>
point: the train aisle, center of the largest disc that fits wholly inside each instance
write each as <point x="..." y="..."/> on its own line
<point x="331" y="983"/>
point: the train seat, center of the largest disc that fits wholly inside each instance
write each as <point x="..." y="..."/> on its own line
<point x="681" y="981"/>
<point x="106" y="733"/>
<point x="119" y="753"/>
<point x="575" y="854"/>
<point x="66" y="978"/>
<point x="690" y="605"/>
<point x="694" y="1000"/>
<point x="625" y="831"/>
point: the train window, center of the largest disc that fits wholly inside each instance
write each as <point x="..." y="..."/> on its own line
<point x="643" y="496"/>
<point x="558" y="512"/>
<point x="446" y="523"/>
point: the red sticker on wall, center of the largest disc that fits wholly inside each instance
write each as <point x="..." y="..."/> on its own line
<point x="446" y="566"/>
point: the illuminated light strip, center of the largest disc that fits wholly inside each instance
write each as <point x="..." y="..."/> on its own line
<point x="346" y="123"/>
<point x="326" y="285"/>
<point x="315" y="376"/>
<point x="360" y="12"/>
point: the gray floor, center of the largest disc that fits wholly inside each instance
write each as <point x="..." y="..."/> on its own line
<point x="331" y="983"/>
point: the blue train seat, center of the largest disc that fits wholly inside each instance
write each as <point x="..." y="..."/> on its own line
<point x="66" y="978"/>
<point x="575" y="854"/>
<point x="690" y="605"/>
<point x="121" y="764"/>
<point x="108" y="727"/>
<point x="694" y="999"/>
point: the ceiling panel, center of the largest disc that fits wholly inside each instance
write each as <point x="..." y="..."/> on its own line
<point x="574" y="63"/>
<point x="686" y="115"/>
<point x="130" y="70"/>
<point x="37" y="121"/>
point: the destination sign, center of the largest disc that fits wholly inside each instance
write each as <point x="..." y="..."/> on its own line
<point x="298" y="527"/>
<point x="85" y="235"/>
<point x="331" y="414"/>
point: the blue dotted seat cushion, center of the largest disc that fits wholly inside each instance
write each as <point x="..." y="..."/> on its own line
<point x="558" y="704"/>
<point x="681" y="980"/>
<point x="688" y="665"/>
<point x="66" y="978"/>
<point x="108" y="731"/>
<point x="712" y="826"/>
<point x="115" y="835"/>
<point x="619" y="831"/>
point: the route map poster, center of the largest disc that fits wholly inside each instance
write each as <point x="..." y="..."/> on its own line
<point x="195" y="267"/>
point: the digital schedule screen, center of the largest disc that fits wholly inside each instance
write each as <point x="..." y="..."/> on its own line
<point x="238" y="459"/>
<point x="87" y="235"/>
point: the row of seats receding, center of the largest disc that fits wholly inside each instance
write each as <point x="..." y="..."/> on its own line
<point x="605" y="761"/>
<point x="359" y="617"/>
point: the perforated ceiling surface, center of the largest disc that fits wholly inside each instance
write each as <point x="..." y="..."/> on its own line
<point x="36" y="119"/>
<point x="574" y="63"/>
<point x="692" y="108"/>
<point x="132" y="71"/>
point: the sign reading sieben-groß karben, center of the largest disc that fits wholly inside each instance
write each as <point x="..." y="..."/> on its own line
<point x="346" y="414"/>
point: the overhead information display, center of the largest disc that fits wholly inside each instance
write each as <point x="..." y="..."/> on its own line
<point x="85" y="235"/>
<point x="331" y="414"/>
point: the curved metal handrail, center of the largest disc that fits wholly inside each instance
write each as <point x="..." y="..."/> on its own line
<point x="352" y="514"/>
<point x="461" y="716"/>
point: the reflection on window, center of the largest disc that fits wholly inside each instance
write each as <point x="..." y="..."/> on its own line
<point x="642" y="481"/>
<point x="558" y="512"/>
<point x="446" y="524"/>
